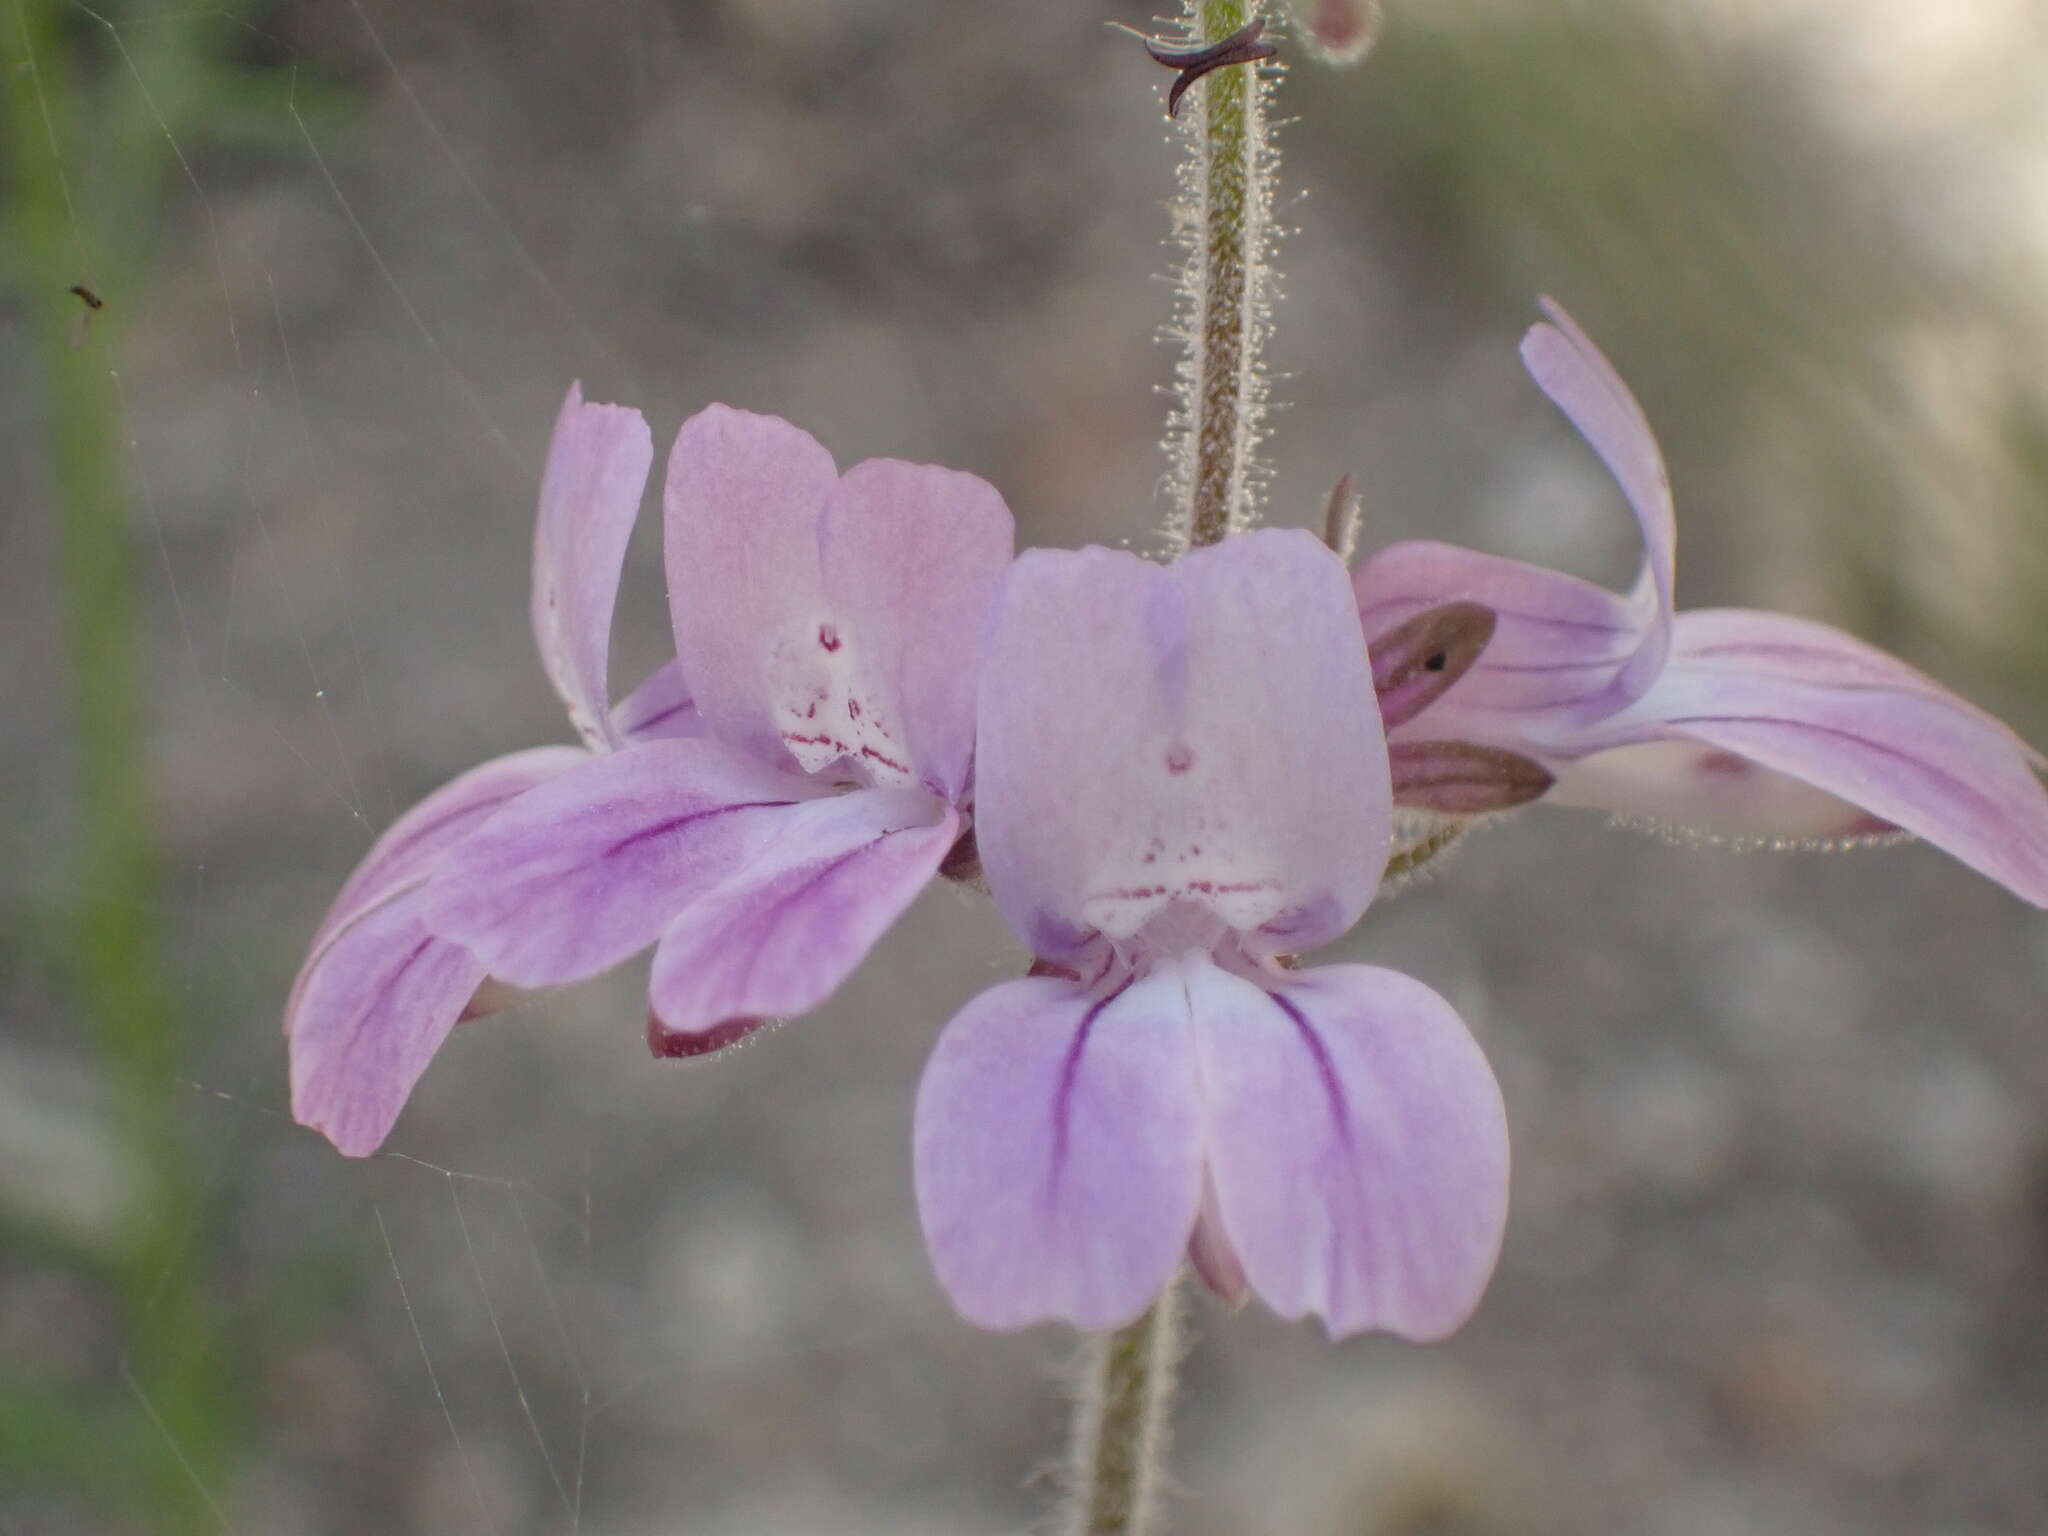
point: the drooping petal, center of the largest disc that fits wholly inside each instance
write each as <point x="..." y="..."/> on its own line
<point x="1551" y="664"/>
<point x="1358" y="1145"/>
<point x="409" y="847"/>
<point x="577" y="875"/>
<point x="368" y="1013"/>
<point x="1912" y="755"/>
<point x="913" y="556"/>
<point x="1582" y="383"/>
<point x="779" y="937"/>
<point x="660" y="707"/>
<point x="1203" y="732"/>
<point x="1416" y="661"/>
<point x="1058" y="1151"/>
<point x="589" y="497"/>
<point x="741" y="506"/>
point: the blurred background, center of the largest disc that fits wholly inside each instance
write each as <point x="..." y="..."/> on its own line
<point x="1779" y="1254"/>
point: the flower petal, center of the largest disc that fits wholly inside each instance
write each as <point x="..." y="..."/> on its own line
<point x="660" y="707"/>
<point x="1058" y="1151"/>
<point x="411" y="845"/>
<point x="1358" y="1145"/>
<point x="1213" y="1260"/>
<point x="1691" y="787"/>
<point x="741" y="505"/>
<point x="913" y="556"/>
<point x="589" y="498"/>
<point x="1910" y="754"/>
<point x="368" y="1013"/>
<point x="1203" y="732"/>
<point x="1753" y="642"/>
<point x="577" y="875"/>
<point x="779" y="937"/>
<point x="1581" y="382"/>
<point x="1558" y="643"/>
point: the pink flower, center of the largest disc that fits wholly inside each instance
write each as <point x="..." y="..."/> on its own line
<point x="760" y="811"/>
<point x="1754" y="723"/>
<point x="1182" y="784"/>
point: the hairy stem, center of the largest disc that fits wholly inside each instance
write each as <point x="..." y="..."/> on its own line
<point x="1224" y="216"/>
<point x="1121" y="1423"/>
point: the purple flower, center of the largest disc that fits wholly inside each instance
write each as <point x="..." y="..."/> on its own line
<point x="1757" y="724"/>
<point x="379" y="991"/>
<point x="1182" y="784"/>
<point x="762" y="810"/>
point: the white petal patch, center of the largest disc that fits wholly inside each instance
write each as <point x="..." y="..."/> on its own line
<point x="831" y="710"/>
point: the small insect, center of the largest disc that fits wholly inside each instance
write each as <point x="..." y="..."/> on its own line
<point x="93" y="305"/>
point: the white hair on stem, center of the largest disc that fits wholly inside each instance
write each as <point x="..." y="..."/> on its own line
<point x="1223" y="221"/>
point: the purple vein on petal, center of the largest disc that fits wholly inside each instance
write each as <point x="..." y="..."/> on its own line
<point x="662" y="829"/>
<point x="1070" y="1069"/>
<point x="1326" y="1069"/>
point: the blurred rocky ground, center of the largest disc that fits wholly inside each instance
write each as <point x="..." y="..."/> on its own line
<point x="1779" y="1253"/>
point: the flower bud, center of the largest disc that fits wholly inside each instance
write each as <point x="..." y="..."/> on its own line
<point x="1337" y="31"/>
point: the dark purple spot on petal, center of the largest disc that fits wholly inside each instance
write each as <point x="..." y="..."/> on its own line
<point x="1180" y="757"/>
<point x="828" y="637"/>
<point x="1723" y="765"/>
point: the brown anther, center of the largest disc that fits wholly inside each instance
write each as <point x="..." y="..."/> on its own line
<point x="1241" y="47"/>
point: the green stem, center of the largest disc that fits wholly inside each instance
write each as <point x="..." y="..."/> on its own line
<point x="1120" y="1430"/>
<point x="1226" y="218"/>
<point x="113" y="941"/>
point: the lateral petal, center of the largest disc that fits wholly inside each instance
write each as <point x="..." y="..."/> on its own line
<point x="1201" y="733"/>
<point x="1910" y="754"/>
<point x="1358" y="1146"/>
<point x="577" y="875"/>
<point x="1058" y="1151"/>
<point x="779" y="936"/>
<point x="913" y="556"/>
<point x="660" y="707"/>
<point x="589" y="498"/>
<point x="409" y="847"/>
<point x="367" y="1015"/>
<point x="1744" y="639"/>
